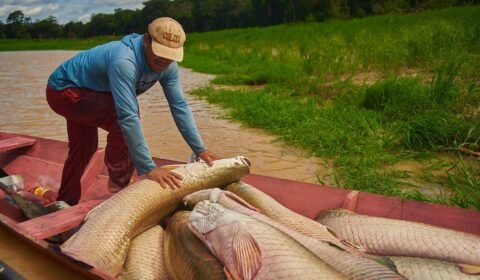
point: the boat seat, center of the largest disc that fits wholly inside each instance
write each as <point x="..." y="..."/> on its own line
<point x="15" y="143"/>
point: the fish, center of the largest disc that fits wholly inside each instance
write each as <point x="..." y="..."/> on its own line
<point x="250" y="249"/>
<point x="351" y="265"/>
<point x="276" y="211"/>
<point x="430" y="269"/>
<point x="8" y="273"/>
<point x="30" y="209"/>
<point x="25" y="201"/>
<point x="104" y="238"/>
<point x="390" y="237"/>
<point x="145" y="258"/>
<point x="186" y="257"/>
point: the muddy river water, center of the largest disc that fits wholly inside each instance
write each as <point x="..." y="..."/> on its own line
<point x="23" y="77"/>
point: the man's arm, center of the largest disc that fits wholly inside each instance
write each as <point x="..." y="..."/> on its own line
<point x="182" y="115"/>
<point x="122" y="83"/>
<point x="122" y="77"/>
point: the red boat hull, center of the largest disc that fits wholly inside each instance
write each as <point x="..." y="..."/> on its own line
<point x="33" y="157"/>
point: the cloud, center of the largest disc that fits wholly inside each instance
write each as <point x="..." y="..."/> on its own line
<point x="41" y="10"/>
<point x="19" y="2"/>
<point x="65" y="10"/>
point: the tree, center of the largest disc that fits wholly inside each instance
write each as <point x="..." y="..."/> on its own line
<point x="182" y="11"/>
<point x="239" y="13"/>
<point x="101" y="24"/>
<point x="73" y="29"/>
<point x="338" y="8"/>
<point x="46" y="28"/>
<point x="127" y="21"/>
<point x="205" y="12"/>
<point x="154" y="9"/>
<point x="2" y="30"/>
<point x="17" y="25"/>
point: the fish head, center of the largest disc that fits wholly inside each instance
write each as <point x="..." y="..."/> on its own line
<point x="228" y="169"/>
<point x="226" y="234"/>
<point x="204" y="219"/>
<point x="227" y="199"/>
<point x="204" y="216"/>
<point x="211" y="194"/>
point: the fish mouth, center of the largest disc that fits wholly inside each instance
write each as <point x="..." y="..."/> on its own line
<point x="246" y="161"/>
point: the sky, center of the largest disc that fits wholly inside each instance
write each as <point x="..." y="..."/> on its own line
<point x="65" y="10"/>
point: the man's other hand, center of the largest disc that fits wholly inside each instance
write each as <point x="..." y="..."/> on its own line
<point x="165" y="178"/>
<point x="208" y="157"/>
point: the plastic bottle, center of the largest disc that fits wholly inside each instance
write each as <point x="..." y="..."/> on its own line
<point x="48" y="195"/>
<point x="42" y="190"/>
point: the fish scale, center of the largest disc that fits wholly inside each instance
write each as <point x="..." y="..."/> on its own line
<point x="104" y="238"/>
<point x="429" y="269"/>
<point x="382" y="236"/>
<point x="351" y="265"/>
<point x="278" y="256"/>
<point x="187" y="258"/>
<point x="276" y="211"/>
<point x="145" y="259"/>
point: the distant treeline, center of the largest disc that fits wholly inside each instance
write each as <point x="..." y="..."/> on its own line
<point x="207" y="15"/>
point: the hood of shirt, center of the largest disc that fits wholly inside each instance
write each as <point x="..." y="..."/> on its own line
<point x="135" y="42"/>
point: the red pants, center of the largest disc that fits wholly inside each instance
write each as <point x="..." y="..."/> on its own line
<point x="85" y="110"/>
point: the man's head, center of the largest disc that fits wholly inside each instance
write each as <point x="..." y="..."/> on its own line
<point x="167" y="38"/>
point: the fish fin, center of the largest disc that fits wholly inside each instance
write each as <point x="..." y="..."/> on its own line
<point x="469" y="269"/>
<point x="334" y="211"/>
<point x="348" y="246"/>
<point x="247" y="253"/>
<point x="228" y="275"/>
<point x="240" y="200"/>
<point x="331" y="231"/>
<point x="30" y="208"/>
<point x="93" y="210"/>
<point x="189" y="201"/>
<point x="171" y="167"/>
<point x="385" y="261"/>
<point x="57" y="205"/>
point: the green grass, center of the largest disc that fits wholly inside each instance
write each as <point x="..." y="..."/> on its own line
<point x="53" y="44"/>
<point x="419" y="106"/>
<point x="368" y="95"/>
<point x="296" y="54"/>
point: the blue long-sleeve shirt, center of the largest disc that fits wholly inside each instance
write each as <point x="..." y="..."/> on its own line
<point x="120" y="67"/>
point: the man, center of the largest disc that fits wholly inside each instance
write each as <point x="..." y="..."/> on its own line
<point x="99" y="88"/>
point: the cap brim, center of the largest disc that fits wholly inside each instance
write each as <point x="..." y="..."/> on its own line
<point x="175" y="54"/>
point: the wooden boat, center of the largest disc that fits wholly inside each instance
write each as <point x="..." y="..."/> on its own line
<point x="32" y="157"/>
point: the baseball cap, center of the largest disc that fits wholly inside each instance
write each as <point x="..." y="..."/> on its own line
<point x="168" y="38"/>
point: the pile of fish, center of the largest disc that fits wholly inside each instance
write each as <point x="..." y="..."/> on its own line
<point x="217" y="227"/>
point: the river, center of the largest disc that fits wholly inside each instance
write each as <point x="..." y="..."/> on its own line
<point x="23" y="77"/>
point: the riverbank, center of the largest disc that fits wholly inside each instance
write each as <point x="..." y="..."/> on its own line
<point x="389" y="102"/>
<point x="27" y="112"/>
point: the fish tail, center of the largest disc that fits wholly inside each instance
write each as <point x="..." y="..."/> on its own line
<point x="469" y="269"/>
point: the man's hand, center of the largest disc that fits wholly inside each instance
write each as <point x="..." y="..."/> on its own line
<point x="165" y="178"/>
<point x="208" y="157"/>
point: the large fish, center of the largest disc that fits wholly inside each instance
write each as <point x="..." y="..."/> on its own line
<point x="382" y="236"/>
<point x="186" y="257"/>
<point x="26" y="201"/>
<point x="251" y="249"/>
<point x="351" y="265"/>
<point x="103" y="240"/>
<point x="429" y="269"/>
<point x="145" y="258"/>
<point x="271" y="208"/>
